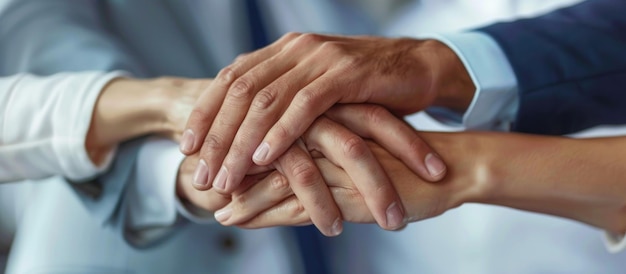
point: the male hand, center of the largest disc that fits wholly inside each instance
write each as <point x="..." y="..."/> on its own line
<point x="270" y="97"/>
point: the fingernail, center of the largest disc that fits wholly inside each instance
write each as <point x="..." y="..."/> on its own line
<point x="223" y="214"/>
<point x="186" y="142"/>
<point x="261" y="152"/>
<point x="220" y="179"/>
<point x="201" y="175"/>
<point x="337" y="227"/>
<point x="394" y="216"/>
<point x="434" y="165"/>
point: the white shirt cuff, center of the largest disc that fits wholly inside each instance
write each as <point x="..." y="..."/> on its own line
<point x="495" y="102"/>
<point x="155" y="182"/>
<point x="614" y="242"/>
<point x="156" y="203"/>
<point x="194" y="214"/>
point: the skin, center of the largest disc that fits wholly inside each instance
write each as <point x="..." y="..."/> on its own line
<point x="571" y="178"/>
<point x="272" y="96"/>
<point x="129" y="108"/>
<point x="577" y="179"/>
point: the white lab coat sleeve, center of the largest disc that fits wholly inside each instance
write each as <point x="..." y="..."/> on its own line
<point x="44" y="123"/>
<point x="47" y="37"/>
<point x="157" y="169"/>
<point x="614" y="242"/>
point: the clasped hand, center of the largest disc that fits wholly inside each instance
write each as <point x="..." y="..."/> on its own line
<point x="270" y="198"/>
<point x="256" y="109"/>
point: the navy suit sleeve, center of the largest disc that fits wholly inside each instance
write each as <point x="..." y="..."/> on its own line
<point x="570" y="65"/>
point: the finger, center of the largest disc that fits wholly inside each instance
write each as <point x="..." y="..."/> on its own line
<point x="351" y="203"/>
<point x="208" y="103"/>
<point x="254" y="169"/>
<point x="207" y="200"/>
<point x="201" y="117"/>
<point x="392" y="133"/>
<point x="308" y="104"/>
<point x="211" y="200"/>
<point x="308" y="185"/>
<point x="289" y="212"/>
<point x="228" y="121"/>
<point x="265" y="109"/>
<point x="350" y="152"/>
<point x="259" y="197"/>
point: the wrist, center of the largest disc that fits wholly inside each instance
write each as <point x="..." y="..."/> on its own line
<point x="125" y="109"/>
<point x="174" y="102"/>
<point x="469" y="179"/>
<point x="137" y="105"/>
<point x="452" y="85"/>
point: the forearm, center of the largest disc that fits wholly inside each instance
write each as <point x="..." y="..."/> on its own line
<point x="126" y="109"/>
<point x="571" y="178"/>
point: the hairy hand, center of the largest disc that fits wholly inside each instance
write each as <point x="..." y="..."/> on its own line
<point x="270" y="97"/>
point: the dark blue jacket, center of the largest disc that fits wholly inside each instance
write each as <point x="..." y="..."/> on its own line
<point x="570" y="66"/>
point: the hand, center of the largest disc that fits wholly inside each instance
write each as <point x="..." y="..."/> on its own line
<point x="420" y="198"/>
<point x="181" y="96"/>
<point x="287" y="85"/>
<point x="329" y="139"/>
<point x="299" y="169"/>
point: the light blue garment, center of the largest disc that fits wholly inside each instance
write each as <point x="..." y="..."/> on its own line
<point x="81" y="227"/>
<point x="64" y="231"/>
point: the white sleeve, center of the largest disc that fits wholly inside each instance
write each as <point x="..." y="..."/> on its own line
<point x="154" y="202"/>
<point x="44" y="123"/>
<point x="495" y="102"/>
<point x="614" y="242"/>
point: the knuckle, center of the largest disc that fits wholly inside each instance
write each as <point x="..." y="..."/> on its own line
<point x="200" y="116"/>
<point x="213" y="142"/>
<point x="227" y="74"/>
<point x="417" y="146"/>
<point x="375" y="115"/>
<point x="291" y="36"/>
<point x="304" y="172"/>
<point x="281" y="131"/>
<point x="264" y="99"/>
<point x="307" y="100"/>
<point x="242" y="89"/>
<point x="350" y="63"/>
<point x="310" y="38"/>
<point x="354" y="147"/>
<point x="279" y="183"/>
<point x="296" y="208"/>
<point x="331" y="48"/>
<point x="241" y="57"/>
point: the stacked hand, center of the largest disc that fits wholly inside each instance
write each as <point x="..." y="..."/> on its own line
<point x="258" y="107"/>
<point x="267" y="199"/>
